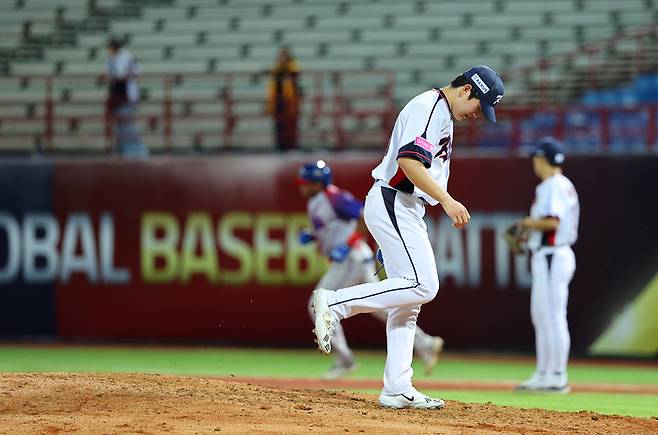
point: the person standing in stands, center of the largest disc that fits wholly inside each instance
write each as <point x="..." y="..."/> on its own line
<point x="123" y="96"/>
<point x="284" y="98"/>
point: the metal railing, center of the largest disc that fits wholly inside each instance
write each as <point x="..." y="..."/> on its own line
<point x="227" y="111"/>
<point x="339" y="108"/>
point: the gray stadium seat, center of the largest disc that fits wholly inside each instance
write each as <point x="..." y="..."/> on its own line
<point x="421" y="42"/>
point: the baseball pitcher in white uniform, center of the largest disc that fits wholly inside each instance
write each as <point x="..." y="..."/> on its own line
<point x="413" y="173"/>
<point x="337" y="227"/>
<point x="553" y="222"/>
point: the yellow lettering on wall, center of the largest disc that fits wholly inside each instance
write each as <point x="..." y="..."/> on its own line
<point x="297" y="254"/>
<point x="236" y="247"/>
<point x="267" y="248"/>
<point x="153" y="247"/>
<point x="173" y="252"/>
<point x="198" y="232"/>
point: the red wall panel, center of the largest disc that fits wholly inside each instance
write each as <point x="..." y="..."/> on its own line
<point x="232" y="270"/>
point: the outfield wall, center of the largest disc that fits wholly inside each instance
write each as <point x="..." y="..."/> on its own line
<point x="206" y="249"/>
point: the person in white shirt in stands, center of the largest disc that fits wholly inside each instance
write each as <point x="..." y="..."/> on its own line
<point x="122" y="72"/>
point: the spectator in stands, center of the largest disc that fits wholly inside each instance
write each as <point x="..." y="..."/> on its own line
<point x="283" y="99"/>
<point x="123" y="96"/>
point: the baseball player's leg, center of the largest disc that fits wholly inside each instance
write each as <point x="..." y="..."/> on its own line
<point x="551" y="273"/>
<point x="426" y="347"/>
<point x="395" y="221"/>
<point x="400" y="329"/>
<point x="345" y="362"/>
<point x="562" y="268"/>
<point x="367" y="266"/>
<point x="401" y="234"/>
<point x="539" y="316"/>
<point x="539" y="311"/>
<point x="369" y="274"/>
<point x="398" y="391"/>
<point x="422" y="341"/>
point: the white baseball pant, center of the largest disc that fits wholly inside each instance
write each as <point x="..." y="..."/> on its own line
<point x="552" y="269"/>
<point x="395" y="220"/>
<point x="357" y="268"/>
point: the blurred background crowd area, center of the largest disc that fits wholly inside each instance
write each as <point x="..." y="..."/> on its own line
<point x="585" y="71"/>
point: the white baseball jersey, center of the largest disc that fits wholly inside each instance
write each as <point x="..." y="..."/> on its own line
<point x="422" y="131"/>
<point x="333" y="213"/>
<point x="555" y="197"/>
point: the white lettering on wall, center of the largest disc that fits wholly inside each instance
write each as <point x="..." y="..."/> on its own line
<point x="459" y="253"/>
<point x="109" y="272"/>
<point x="33" y="248"/>
<point x="10" y="227"/>
<point x="40" y="235"/>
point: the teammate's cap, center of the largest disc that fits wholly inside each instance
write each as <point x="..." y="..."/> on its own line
<point x="488" y="86"/>
<point x="551" y="149"/>
<point x="314" y="172"/>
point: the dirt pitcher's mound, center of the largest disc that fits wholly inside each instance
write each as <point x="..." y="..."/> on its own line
<point x="136" y="403"/>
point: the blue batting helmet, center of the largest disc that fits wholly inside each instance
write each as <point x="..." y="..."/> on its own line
<point x="315" y="172"/>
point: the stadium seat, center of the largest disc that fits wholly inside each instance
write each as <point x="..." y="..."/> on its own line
<point x="423" y="43"/>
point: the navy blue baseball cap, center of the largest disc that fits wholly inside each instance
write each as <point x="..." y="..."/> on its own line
<point x="488" y="86"/>
<point x="552" y="149"/>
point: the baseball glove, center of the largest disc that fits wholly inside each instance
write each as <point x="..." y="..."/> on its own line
<point x="516" y="237"/>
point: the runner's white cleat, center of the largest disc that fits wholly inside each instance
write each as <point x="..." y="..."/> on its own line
<point x="411" y="399"/>
<point x="324" y="320"/>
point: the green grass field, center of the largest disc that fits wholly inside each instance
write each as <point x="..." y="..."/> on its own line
<point x="276" y="363"/>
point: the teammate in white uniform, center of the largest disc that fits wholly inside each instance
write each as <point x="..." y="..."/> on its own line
<point x="553" y="222"/>
<point x="337" y="227"/>
<point x="413" y="173"/>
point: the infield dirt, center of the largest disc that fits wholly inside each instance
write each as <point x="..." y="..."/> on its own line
<point x="139" y="403"/>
